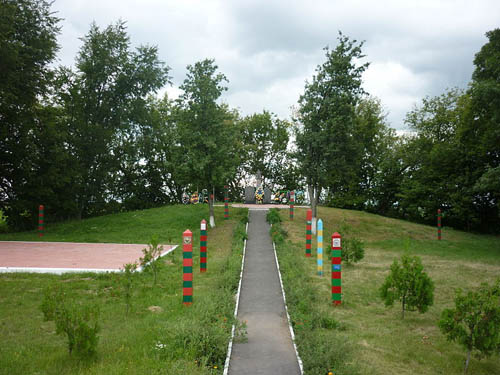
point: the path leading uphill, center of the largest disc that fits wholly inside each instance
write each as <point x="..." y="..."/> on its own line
<point x="269" y="349"/>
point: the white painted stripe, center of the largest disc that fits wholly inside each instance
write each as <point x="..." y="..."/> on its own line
<point x="292" y="334"/>
<point x="60" y="271"/>
<point x="230" y="345"/>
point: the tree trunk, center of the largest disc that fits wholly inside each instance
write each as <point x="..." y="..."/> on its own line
<point x="313" y="197"/>
<point x="467" y="361"/>
<point x="211" y="210"/>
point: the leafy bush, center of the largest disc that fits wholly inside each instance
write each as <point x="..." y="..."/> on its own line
<point x="78" y="322"/>
<point x="273" y="216"/>
<point x="278" y="234"/>
<point x="151" y="257"/>
<point x="128" y="269"/>
<point x="353" y="249"/>
<point x="475" y="321"/>
<point x="408" y="283"/>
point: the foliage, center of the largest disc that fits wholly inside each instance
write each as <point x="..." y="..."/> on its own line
<point x="407" y="282"/>
<point x="353" y="249"/>
<point x="79" y="322"/>
<point x="326" y="147"/>
<point x="475" y="321"/>
<point x="151" y="257"/>
<point x="273" y="216"/>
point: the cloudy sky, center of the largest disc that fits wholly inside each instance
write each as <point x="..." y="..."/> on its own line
<point x="267" y="49"/>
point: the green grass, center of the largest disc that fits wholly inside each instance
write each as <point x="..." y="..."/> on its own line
<point x="174" y="340"/>
<point x="375" y="338"/>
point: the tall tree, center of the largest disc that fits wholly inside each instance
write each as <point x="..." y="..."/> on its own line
<point x="104" y="101"/>
<point x="326" y="116"/>
<point x="206" y="129"/>
<point x="28" y="44"/>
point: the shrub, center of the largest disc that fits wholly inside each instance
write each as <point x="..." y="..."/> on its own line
<point x="78" y="322"/>
<point x="151" y="256"/>
<point x="475" y="321"/>
<point x="353" y="249"/>
<point x="128" y="270"/>
<point x="408" y="283"/>
<point x="273" y="216"/>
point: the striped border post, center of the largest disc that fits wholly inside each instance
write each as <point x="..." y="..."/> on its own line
<point x="308" y="232"/>
<point x="439" y="224"/>
<point x="187" y="267"/>
<point x="292" y="201"/>
<point x="40" y="220"/>
<point x="336" y="269"/>
<point x="226" y="202"/>
<point x="320" y="247"/>
<point x="203" y="246"/>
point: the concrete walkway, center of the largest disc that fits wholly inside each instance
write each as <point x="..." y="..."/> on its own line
<point x="269" y="349"/>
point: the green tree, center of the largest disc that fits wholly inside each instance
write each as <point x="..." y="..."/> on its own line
<point x="475" y="321"/>
<point x="104" y="100"/>
<point x="407" y="282"/>
<point x="326" y="148"/>
<point x="28" y="44"/>
<point x="265" y="139"/>
<point x="207" y="130"/>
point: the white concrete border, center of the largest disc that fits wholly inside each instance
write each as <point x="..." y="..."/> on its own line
<point x="299" y="360"/>
<point x="60" y="271"/>
<point x="230" y="345"/>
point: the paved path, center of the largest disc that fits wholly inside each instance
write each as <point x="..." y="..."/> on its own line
<point x="269" y="349"/>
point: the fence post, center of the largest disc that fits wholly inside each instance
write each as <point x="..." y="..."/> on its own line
<point x="308" y="232"/>
<point x="226" y="202"/>
<point x="187" y="267"/>
<point x="292" y="201"/>
<point x="320" y="247"/>
<point x="203" y="246"/>
<point x="40" y="220"/>
<point x="439" y="224"/>
<point x="336" y="269"/>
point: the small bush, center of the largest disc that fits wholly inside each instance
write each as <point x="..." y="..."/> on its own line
<point x="78" y="322"/>
<point x="475" y="321"/>
<point x="151" y="257"/>
<point x="409" y="284"/>
<point x="353" y="249"/>
<point x="273" y="216"/>
<point x="278" y="234"/>
<point x="128" y="270"/>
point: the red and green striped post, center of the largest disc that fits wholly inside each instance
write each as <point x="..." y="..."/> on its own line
<point x="40" y="220"/>
<point x="336" y="269"/>
<point x="203" y="246"/>
<point x="439" y="224"/>
<point x="226" y="202"/>
<point x="292" y="201"/>
<point x="187" y="267"/>
<point x="308" y="232"/>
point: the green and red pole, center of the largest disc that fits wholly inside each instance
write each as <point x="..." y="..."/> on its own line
<point x="226" y="202"/>
<point x="40" y="220"/>
<point x="439" y="224"/>
<point x="187" y="267"/>
<point x="292" y="201"/>
<point x="336" y="269"/>
<point x="203" y="246"/>
<point x="308" y="232"/>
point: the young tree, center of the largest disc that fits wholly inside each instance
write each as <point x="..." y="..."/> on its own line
<point x="475" y="321"/>
<point x="326" y="117"/>
<point x="408" y="283"/>
<point x="207" y="130"/>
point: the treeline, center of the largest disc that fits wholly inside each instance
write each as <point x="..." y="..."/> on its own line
<point x="96" y="138"/>
<point x="450" y="160"/>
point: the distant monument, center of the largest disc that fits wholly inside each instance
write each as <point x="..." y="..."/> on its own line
<point x="250" y="191"/>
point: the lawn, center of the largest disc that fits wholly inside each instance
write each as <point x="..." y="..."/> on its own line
<point x="159" y="334"/>
<point x="374" y="338"/>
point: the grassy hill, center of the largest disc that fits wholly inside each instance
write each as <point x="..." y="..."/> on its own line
<point x="380" y="342"/>
<point x="159" y="334"/>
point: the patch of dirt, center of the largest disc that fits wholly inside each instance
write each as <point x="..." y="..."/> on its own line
<point x="155" y="309"/>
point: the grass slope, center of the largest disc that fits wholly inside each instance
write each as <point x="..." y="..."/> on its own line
<point x="379" y="341"/>
<point x="171" y="340"/>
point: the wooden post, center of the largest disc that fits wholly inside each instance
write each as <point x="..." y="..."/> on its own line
<point x="40" y="220"/>
<point x="308" y="233"/>
<point x="187" y="267"/>
<point x="439" y="224"/>
<point x="336" y="269"/>
<point x="320" y="247"/>
<point x="203" y="246"/>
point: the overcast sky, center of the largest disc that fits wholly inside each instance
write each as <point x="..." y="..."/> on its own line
<point x="267" y="49"/>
